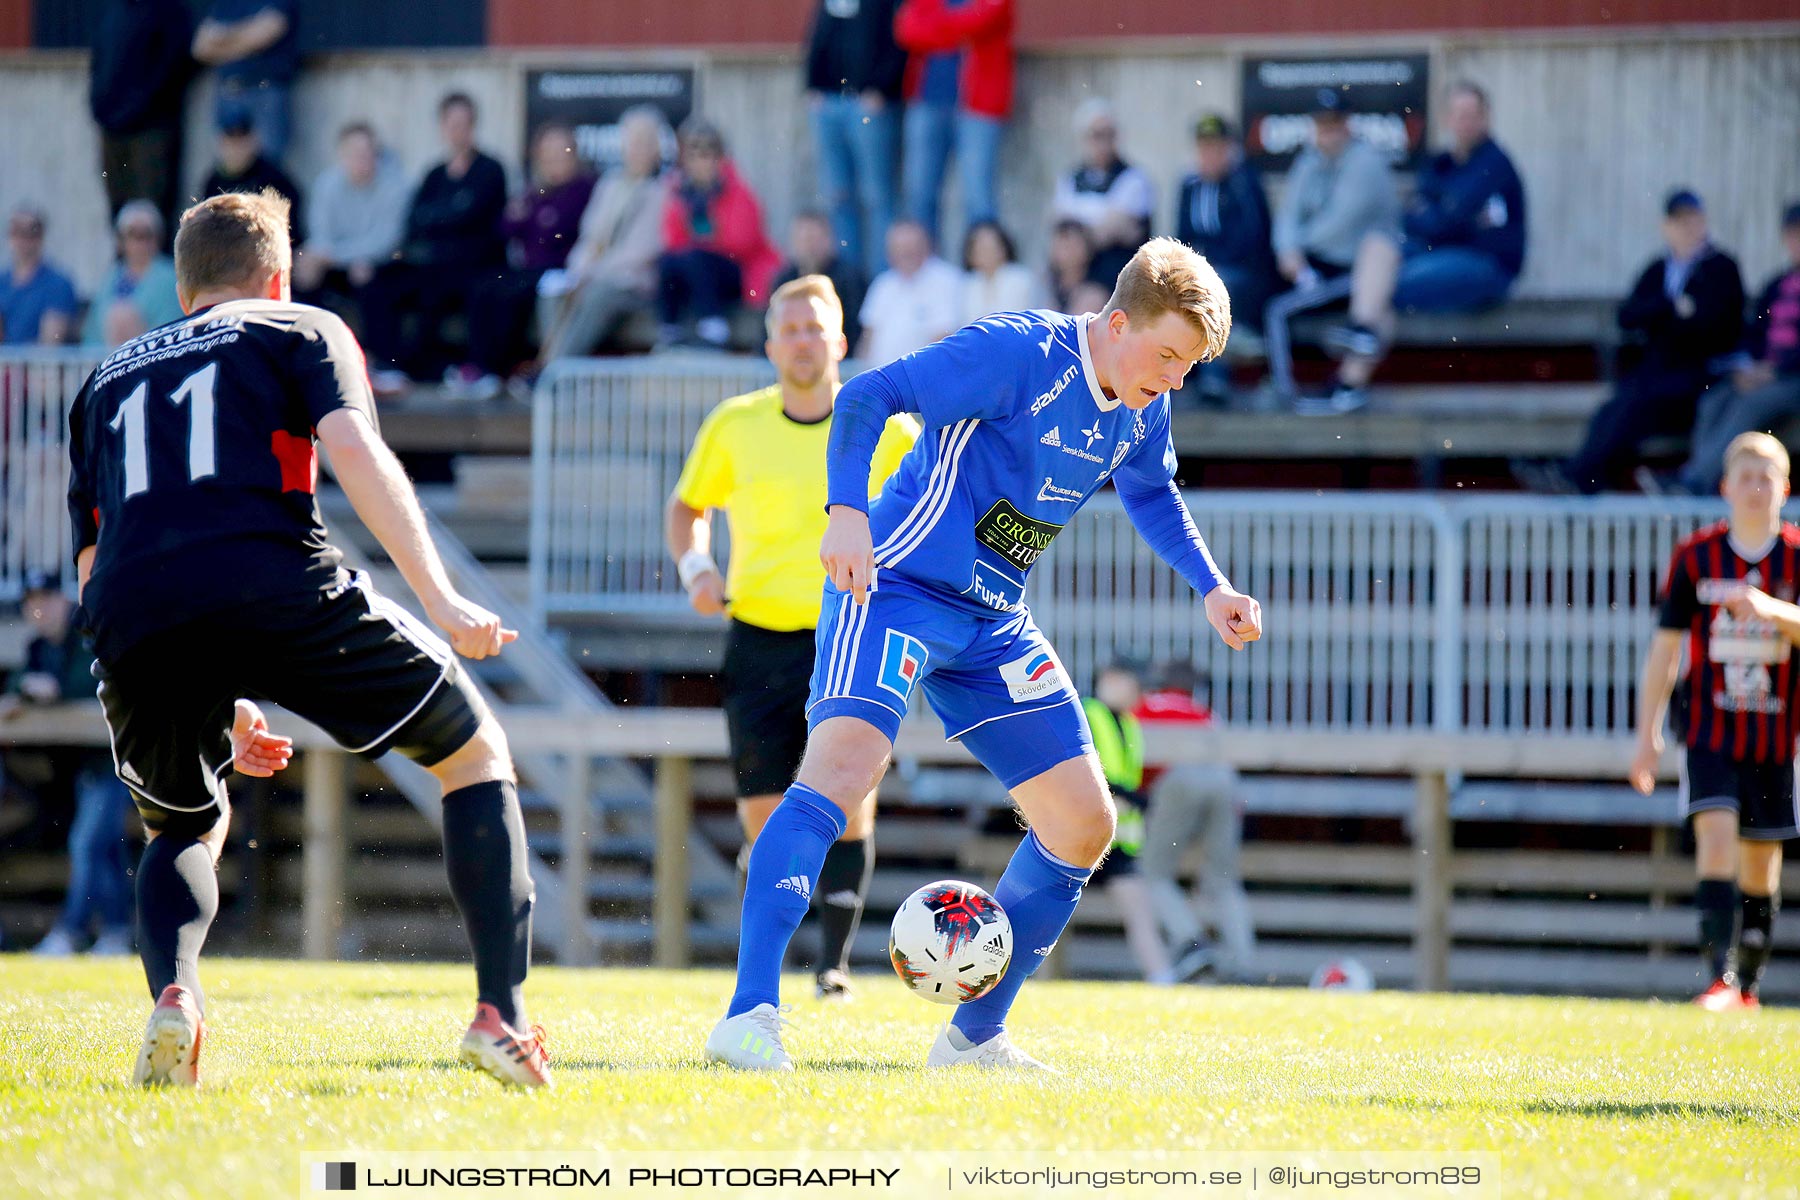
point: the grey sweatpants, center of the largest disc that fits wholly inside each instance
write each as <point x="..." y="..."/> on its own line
<point x="1199" y="803"/>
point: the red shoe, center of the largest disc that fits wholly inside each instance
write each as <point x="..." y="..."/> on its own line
<point x="1750" y="1000"/>
<point x="1723" y="996"/>
<point x="514" y="1058"/>
<point x="171" y="1053"/>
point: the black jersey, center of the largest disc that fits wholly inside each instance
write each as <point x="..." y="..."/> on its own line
<point x="192" y="465"/>
<point x="1743" y="686"/>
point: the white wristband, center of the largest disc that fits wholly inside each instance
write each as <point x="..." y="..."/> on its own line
<point x="693" y="565"/>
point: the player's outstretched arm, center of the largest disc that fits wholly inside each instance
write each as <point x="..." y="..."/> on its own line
<point x="1235" y="617"/>
<point x="1161" y="517"/>
<point x="383" y="497"/>
<point x="1660" y="667"/>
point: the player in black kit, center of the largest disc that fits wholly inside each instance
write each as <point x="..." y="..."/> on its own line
<point x="207" y="583"/>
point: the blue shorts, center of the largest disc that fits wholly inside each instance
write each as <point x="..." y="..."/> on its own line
<point x="994" y="681"/>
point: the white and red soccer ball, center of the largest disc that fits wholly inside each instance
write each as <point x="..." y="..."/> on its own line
<point x="950" y="942"/>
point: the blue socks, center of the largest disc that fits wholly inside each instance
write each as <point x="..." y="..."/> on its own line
<point x="784" y="870"/>
<point x="1039" y="892"/>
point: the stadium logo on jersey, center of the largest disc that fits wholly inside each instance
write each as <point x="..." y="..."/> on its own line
<point x="994" y="589"/>
<point x="1062" y="495"/>
<point x="1044" y="401"/>
<point x="1053" y="438"/>
<point x="902" y="663"/>
<point x="1019" y="537"/>
<point x="1037" y="674"/>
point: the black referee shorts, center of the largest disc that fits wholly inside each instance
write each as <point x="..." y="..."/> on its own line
<point x="1762" y="794"/>
<point x="766" y="677"/>
<point x="349" y="660"/>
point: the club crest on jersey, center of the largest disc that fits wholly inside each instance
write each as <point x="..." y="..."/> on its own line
<point x="1119" y="453"/>
<point x="1036" y="675"/>
<point x="902" y="664"/>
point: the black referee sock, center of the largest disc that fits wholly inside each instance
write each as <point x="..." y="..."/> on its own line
<point x="1755" y="936"/>
<point x="843" y="888"/>
<point x="178" y="897"/>
<point x="484" y="853"/>
<point x="1717" y="902"/>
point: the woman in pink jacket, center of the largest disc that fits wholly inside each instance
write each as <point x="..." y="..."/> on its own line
<point x="716" y="254"/>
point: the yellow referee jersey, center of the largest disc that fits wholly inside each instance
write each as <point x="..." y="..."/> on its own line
<point x="767" y="471"/>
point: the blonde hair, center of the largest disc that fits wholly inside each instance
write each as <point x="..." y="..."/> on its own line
<point x="232" y="240"/>
<point x="1167" y="276"/>
<point x="807" y="287"/>
<point x="1758" y="445"/>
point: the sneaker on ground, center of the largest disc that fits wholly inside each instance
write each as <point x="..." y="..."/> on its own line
<point x="514" y="1058"/>
<point x="1196" y="959"/>
<point x="997" y="1053"/>
<point x="1723" y="996"/>
<point x="751" y="1041"/>
<point x="834" y="985"/>
<point x="170" y="1056"/>
<point x="58" y="943"/>
<point x="1358" y="340"/>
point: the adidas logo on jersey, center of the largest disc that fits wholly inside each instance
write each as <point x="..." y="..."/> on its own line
<point x="129" y="774"/>
<point x="800" y="885"/>
<point x="1054" y="437"/>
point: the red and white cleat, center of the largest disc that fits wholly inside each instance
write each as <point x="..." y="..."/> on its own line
<point x="514" y="1058"/>
<point x="1750" y="1000"/>
<point x="1723" y="996"/>
<point x="171" y="1053"/>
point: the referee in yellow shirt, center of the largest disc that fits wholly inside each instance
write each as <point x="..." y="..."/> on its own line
<point x="761" y="459"/>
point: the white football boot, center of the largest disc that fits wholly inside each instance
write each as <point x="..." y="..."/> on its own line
<point x="997" y="1053"/>
<point x="171" y="1053"/>
<point x="751" y="1041"/>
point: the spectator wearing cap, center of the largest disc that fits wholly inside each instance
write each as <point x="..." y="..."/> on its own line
<point x="1687" y="310"/>
<point x="1105" y="193"/>
<point x="1463" y="243"/>
<point x="57" y="669"/>
<point x="1222" y="211"/>
<point x="911" y="304"/>
<point x="993" y="278"/>
<point x="256" y="47"/>
<point x="716" y="254"/>
<point x="959" y="96"/>
<point x="138" y="293"/>
<point x="1763" y="391"/>
<point x="813" y="250"/>
<point x="137" y="92"/>
<point x="854" y="71"/>
<point x="355" y="218"/>
<point x="37" y="301"/>
<point x="243" y="166"/>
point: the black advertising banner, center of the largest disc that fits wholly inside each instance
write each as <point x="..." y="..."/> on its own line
<point x="592" y="99"/>
<point x="1385" y="94"/>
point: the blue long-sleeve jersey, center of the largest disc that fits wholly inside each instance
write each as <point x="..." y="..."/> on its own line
<point x="1017" y="436"/>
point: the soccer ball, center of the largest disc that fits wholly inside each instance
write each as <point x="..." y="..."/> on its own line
<point x="951" y="942"/>
<point x="1343" y="973"/>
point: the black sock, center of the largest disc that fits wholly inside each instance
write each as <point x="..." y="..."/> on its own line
<point x="843" y="887"/>
<point x="1754" y="939"/>
<point x="1717" y="902"/>
<point x="178" y="897"/>
<point x="484" y="853"/>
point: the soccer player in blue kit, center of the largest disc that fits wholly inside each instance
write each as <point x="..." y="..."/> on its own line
<point x="1025" y="416"/>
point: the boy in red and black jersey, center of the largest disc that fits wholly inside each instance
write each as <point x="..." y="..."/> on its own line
<point x="1730" y="596"/>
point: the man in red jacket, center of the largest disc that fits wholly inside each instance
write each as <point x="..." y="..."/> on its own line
<point x="959" y="86"/>
<point x="716" y="254"/>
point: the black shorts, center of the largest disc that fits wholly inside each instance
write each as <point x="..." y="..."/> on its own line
<point x="349" y="660"/>
<point x="1762" y="794"/>
<point x="766" y="677"/>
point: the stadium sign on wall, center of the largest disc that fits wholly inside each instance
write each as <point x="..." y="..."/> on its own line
<point x="1386" y="95"/>
<point x="592" y="99"/>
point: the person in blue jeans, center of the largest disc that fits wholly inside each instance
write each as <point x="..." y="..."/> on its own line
<point x="1463" y="243"/>
<point x="853" y="76"/>
<point x="959" y="90"/>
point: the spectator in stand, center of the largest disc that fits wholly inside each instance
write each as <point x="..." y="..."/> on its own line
<point x="355" y="218"/>
<point x="541" y="225"/>
<point x="138" y="293"/>
<point x="1105" y="193"/>
<point x="256" y="47"/>
<point x="1223" y="213"/>
<point x="1688" y="309"/>
<point x="1195" y="802"/>
<point x="57" y="662"/>
<point x="452" y="243"/>
<point x="717" y="255"/>
<point x="37" y="301"/>
<point x="1339" y="192"/>
<point x="137" y="91"/>
<point x="911" y="304"/>
<point x="611" y="272"/>
<point x="959" y="94"/>
<point x="1763" y="393"/>
<point x="1088" y="296"/>
<point x="1463" y="245"/>
<point x="1071" y="261"/>
<point x="242" y="166"/>
<point x="813" y="251"/>
<point x="854" y="70"/>
<point x="993" y="278"/>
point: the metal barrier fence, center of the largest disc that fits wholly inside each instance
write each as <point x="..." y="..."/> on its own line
<point x="1386" y="611"/>
<point x="37" y="388"/>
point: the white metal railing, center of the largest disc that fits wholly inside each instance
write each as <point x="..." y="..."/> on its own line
<point x="1386" y="611"/>
<point x="37" y="389"/>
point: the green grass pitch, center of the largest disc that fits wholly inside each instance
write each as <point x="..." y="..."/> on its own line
<point x="1579" y="1097"/>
